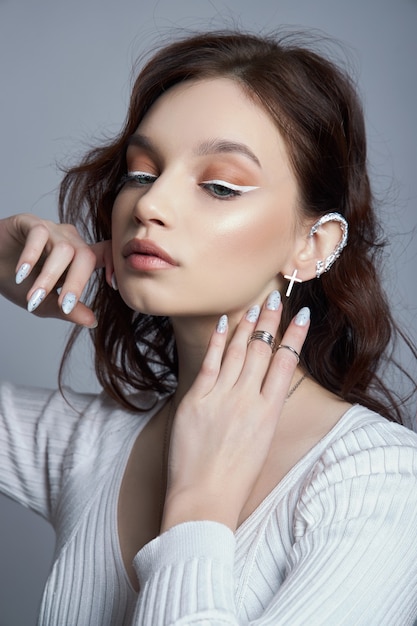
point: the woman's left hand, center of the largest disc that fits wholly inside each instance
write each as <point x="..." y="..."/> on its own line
<point x="225" y="424"/>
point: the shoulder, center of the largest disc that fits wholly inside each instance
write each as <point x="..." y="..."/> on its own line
<point x="363" y="431"/>
<point x="68" y="415"/>
<point x="367" y="463"/>
<point x="363" y="484"/>
<point x="353" y="530"/>
<point x="365" y="443"/>
<point x="26" y="399"/>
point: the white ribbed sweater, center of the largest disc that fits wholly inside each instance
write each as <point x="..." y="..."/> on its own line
<point x="334" y="543"/>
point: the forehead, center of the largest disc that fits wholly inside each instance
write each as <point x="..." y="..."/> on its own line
<point x="199" y="111"/>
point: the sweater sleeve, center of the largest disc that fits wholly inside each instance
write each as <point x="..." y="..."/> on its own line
<point x="353" y="558"/>
<point x="36" y="426"/>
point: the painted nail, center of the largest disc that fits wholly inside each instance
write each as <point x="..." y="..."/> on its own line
<point x="22" y="273"/>
<point x="222" y="325"/>
<point x="302" y="317"/>
<point x="274" y="300"/>
<point x="93" y="325"/>
<point x="36" y="299"/>
<point x="68" y="303"/>
<point x="114" y="282"/>
<point x="253" y="313"/>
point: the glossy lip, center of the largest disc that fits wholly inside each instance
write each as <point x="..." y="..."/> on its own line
<point x="145" y="254"/>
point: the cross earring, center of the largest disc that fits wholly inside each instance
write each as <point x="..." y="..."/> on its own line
<point x="293" y="279"/>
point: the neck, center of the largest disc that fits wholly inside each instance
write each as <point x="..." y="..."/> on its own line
<point x="192" y="336"/>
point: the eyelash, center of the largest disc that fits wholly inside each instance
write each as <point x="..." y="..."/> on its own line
<point x="235" y="190"/>
<point x="209" y="186"/>
<point x="137" y="177"/>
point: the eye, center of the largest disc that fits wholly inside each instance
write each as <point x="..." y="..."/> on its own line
<point x="138" y="178"/>
<point x="224" y="190"/>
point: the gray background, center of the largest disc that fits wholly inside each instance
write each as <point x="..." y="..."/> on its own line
<point x="65" y="76"/>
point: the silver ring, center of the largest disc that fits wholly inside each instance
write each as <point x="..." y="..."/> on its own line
<point x="295" y="353"/>
<point x="263" y="335"/>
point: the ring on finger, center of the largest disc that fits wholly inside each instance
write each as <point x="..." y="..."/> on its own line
<point x="263" y="335"/>
<point x="293" y="350"/>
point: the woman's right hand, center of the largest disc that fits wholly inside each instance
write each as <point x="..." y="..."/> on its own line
<point x="38" y="256"/>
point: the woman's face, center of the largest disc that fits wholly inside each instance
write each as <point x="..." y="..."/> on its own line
<point x="207" y="216"/>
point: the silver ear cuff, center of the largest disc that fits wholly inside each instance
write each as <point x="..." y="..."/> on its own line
<point x="324" y="266"/>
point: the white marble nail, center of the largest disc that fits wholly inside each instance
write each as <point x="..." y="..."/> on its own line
<point x="222" y="325"/>
<point x="68" y="303"/>
<point x="22" y="273"/>
<point x="302" y="317"/>
<point x="36" y="299"/>
<point x="253" y="313"/>
<point x="274" y="300"/>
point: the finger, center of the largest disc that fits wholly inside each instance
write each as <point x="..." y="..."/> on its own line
<point x="54" y="267"/>
<point x="81" y="315"/>
<point x="83" y="264"/>
<point x="236" y="362"/>
<point x="79" y="273"/>
<point x="259" y="351"/>
<point x="235" y="355"/>
<point x="210" y="367"/>
<point x="284" y="362"/>
<point x="35" y="243"/>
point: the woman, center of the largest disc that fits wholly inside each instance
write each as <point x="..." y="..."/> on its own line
<point x="240" y="465"/>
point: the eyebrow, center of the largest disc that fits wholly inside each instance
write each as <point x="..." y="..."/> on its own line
<point x="212" y="146"/>
<point x="219" y="146"/>
<point x="140" y="141"/>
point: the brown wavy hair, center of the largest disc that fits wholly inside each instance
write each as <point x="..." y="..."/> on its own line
<point x="315" y="107"/>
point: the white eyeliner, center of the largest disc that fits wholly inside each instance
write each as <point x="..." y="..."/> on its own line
<point x="141" y="173"/>
<point x="223" y="183"/>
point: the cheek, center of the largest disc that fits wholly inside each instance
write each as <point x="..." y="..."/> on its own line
<point x="254" y="238"/>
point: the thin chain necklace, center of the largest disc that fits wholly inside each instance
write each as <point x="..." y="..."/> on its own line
<point x="297" y="384"/>
<point x="165" y="445"/>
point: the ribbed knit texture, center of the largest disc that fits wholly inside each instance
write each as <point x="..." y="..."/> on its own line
<point x="335" y="543"/>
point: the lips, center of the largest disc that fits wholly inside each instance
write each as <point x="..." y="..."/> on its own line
<point x="145" y="254"/>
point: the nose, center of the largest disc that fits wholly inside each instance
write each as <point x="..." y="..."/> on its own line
<point x="154" y="205"/>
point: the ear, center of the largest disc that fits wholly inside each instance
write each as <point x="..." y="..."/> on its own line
<point x="320" y="242"/>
